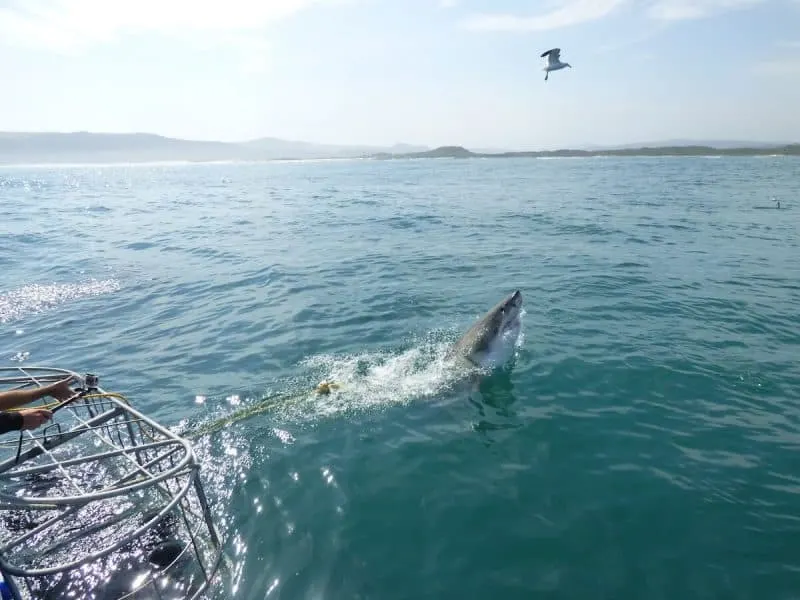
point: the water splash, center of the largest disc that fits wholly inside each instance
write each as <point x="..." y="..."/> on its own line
<point x="365" y="381"/>
<point x="372" y="380"/>
<point x="36" y="298"/>
<point x="20" y="356"/>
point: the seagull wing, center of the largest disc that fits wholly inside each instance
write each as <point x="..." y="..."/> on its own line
<point x="552" y="55"/>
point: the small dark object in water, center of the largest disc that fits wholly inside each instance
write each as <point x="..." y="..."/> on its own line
<point x="776" y="207"/>
<point x="165" y="554"/>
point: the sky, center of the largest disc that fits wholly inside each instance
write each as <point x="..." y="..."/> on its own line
<point x="432" y="72"/>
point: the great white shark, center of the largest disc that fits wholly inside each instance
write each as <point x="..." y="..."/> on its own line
<point x="490" y="342"/>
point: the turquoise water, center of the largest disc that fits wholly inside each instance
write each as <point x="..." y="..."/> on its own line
<point x="643" y="443"/>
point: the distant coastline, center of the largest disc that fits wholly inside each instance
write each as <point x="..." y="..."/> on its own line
<point x="20" y="148"/>
<point x="461" y="152"/>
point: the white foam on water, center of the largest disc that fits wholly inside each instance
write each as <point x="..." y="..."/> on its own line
<point x="283" y="435"/>
<point x="21" y="356"/>
<point x="372" y="380"/>
<point x="368" y="381"/>
<point x="36" y="298"/>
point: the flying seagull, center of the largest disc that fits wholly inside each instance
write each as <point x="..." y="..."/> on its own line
<point x="553" y="61"/>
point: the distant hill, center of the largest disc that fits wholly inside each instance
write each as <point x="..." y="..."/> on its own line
<point x="460" y="152"/>
<point x="279" y="148"/>
<point x="721" y="144"/>
<point x="86" y="147"/>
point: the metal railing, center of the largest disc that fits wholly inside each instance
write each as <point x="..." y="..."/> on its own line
<point x="101" y="502"/>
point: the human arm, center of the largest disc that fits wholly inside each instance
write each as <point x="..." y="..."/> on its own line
<point x="14" y="398"/>
<point x="29" y="418"/>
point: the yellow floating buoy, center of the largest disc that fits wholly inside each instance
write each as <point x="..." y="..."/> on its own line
<point x="325" y="387"/>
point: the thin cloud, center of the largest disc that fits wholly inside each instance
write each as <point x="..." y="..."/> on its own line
<point x="681" y="10"/>
<point x="571" y="12"/>
<point x="574" y="12"/>
<point x="71" y="26"/>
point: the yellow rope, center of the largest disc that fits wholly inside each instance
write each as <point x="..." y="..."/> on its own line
<point x="323" y="388"/>
<point x="50" y="405"/>
<point x="37" y="407"/>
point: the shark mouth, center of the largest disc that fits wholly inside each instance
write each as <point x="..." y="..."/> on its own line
<point x="511" y="324"/>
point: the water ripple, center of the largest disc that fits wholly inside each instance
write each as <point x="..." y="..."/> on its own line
<point x="642" y="445"/>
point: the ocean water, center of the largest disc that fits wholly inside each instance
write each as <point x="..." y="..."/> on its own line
<point x="643" y="442"/>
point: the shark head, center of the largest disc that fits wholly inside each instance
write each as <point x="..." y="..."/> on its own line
<point x="512" y="307"/>
<point x="490" y="341"/>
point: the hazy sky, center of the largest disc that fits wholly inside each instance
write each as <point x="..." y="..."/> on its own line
<point x="420" y="71"/>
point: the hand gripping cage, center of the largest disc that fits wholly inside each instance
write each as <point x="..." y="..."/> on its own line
<point x="101" y="502"/>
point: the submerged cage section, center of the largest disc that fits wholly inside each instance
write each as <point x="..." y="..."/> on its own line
<point x="101" y="502"/>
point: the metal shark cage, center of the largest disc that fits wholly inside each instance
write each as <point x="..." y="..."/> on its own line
<point x="101" y="502"/>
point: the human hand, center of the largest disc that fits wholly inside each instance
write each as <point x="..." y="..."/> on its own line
<point x="34" y="417"/>
<point x="61" y="390"/>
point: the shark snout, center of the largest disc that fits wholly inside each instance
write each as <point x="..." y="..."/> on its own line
<point x="513" y="305"/>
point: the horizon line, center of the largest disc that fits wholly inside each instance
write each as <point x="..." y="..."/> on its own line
<point x="583" y="146"/>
